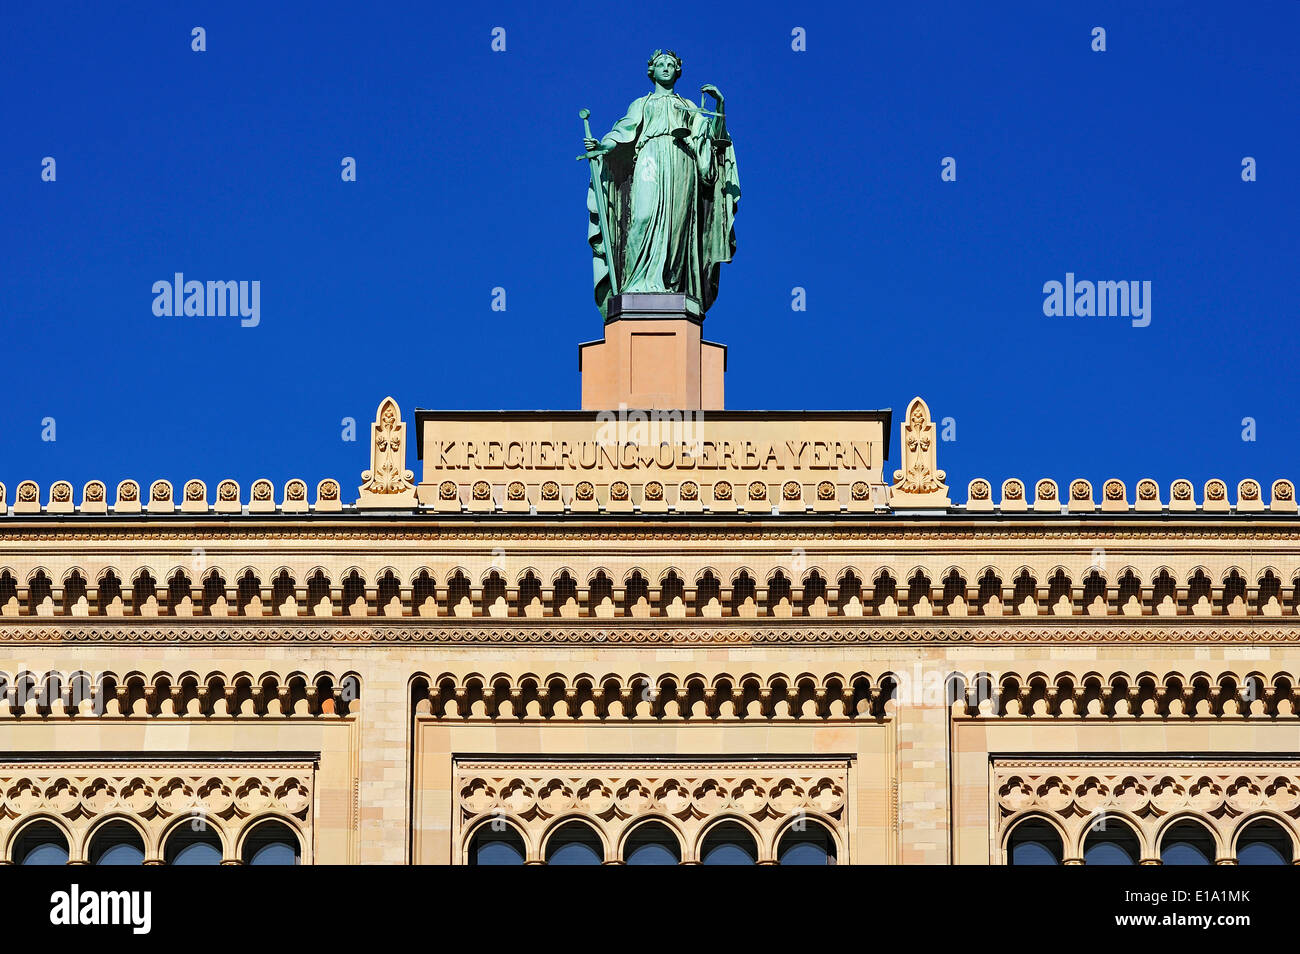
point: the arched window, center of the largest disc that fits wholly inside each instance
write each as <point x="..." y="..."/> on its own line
<point x="574" y="843"/>
<point x="806" y="843"/>
<point x="38" y="591"/>
<point x="494" y="588"/>
<point x="318" y="588"/>
<point x="566" y="588"/>
<point x="189" y="847"/>
<point x="729" y="844"/>
<point x="490" y="847"/>
<point x="1111" y="844"/>
<point x="814" y="589"/>
<point x="178" y="588"/>
<point x="248" y="589"/>
<point x="387" y="590"/>
<point x="652" y="843"/>
<point x="40" y="843"/>
<point x="1264" y="842"/>
<point x="600" y="588"/>
<point x="530" y="591"/>
<point x="271" y="843"/>
<point x="214" y="588"/>
<point x="778" y="589"/>
<point x="637" y="589"/>
<point x="742" y="589"/>
<point x="1187" y="843"/>
<point x="707" y="589"/>
<point x="1034" y="842"/>
<point x="117" y="843"/>
<point x="73" y="590"/>
<point x="281" y="589"/>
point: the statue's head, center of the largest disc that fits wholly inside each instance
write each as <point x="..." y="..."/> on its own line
<point x="664" y="66"/>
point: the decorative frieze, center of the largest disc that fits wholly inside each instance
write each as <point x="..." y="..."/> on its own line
<point x="766" y="796"/>
<point x="1084" y="799"/>
<point x="227" y="798"/>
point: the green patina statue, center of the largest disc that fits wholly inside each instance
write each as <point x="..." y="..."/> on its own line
<point x="662" y="198"/>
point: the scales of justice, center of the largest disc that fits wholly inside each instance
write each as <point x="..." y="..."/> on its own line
<point x="661" y="206"/>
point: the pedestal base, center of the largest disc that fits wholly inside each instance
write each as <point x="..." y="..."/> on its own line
<point x="653" y="356"/>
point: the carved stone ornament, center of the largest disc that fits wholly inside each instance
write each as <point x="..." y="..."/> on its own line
<point x="387" y="484"/>
<point x="920" y="482"/>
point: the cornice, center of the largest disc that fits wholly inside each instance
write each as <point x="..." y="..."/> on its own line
<point x="1039" y="631"/>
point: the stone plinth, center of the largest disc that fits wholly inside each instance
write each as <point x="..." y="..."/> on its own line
<point x="653" y="356"/>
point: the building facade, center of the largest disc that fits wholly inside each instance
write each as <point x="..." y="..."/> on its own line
<point x="651" y="638"/>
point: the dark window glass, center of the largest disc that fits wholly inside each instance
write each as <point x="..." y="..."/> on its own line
<point x="729" y="844"/>
<point x="186" y="846"/>
<point x="1187" y="843"/>
<point x="1264" y="843"/>
<point x="574" y="844"/>
<point x="271" y="843"/>
<point x="41" y="844"/>
<point x="117" y="843"/>
<point x="652" y="844"/>
<point x="1116" y="844"/>
<point x="490" y="847"/>
<point x="811" y="846"/>
<point x="1034" y="843"/>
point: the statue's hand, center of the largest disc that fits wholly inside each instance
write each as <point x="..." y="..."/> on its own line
<point x="592" y="145"/>
<point x="712" y="91"/>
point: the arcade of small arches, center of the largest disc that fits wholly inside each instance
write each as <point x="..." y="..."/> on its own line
<point x="741" y="591"/>
<point x="264" y="840"/>
<point x="660" y="812"/>
<point x="651" y="841"/>
<point x="1111" y="839"/>
<point x="835" y="696"/>
<point x="161" y="694"/>
<point x="1118" y="812"/>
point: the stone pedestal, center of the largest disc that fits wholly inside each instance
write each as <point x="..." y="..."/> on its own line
<point x="653" y="356"/>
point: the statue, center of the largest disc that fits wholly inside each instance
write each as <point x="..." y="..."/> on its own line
<point x="663" y="194"/>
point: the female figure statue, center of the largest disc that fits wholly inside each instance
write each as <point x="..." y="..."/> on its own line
<point x="669" y="183"/>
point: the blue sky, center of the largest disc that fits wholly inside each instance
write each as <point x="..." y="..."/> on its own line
<point x="225" y="164"/>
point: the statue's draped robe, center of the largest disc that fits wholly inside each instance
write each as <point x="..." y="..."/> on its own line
<point x="671" y="191"/>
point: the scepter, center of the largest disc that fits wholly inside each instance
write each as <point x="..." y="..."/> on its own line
<point x="606" y="239"/>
